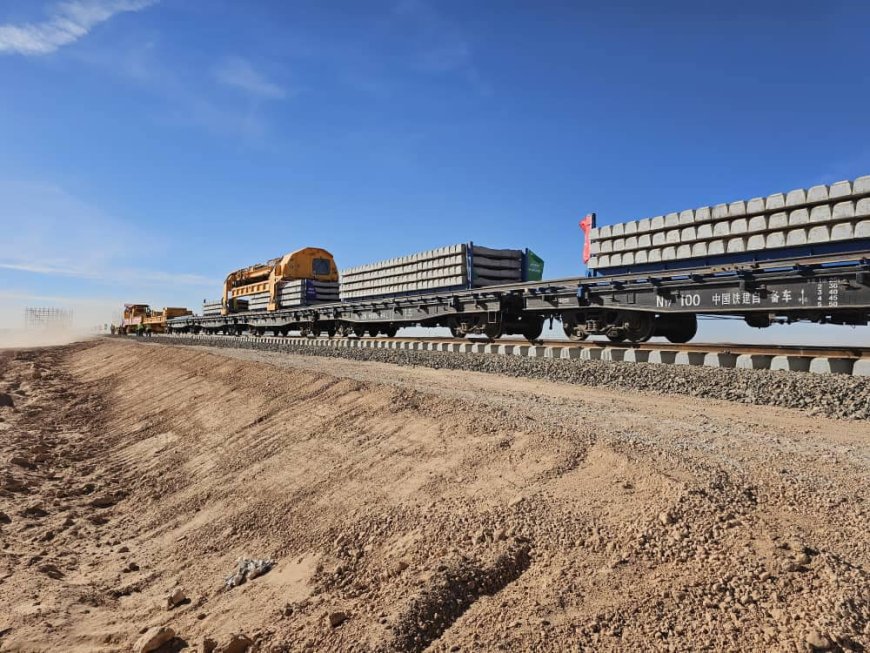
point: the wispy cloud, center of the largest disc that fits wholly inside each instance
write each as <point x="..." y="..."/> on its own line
<point x="189" y="95"/>
<point x="439" y="46"/>
<point x="66" y="23"/>
<point x="125" y="274"/>
<point x="59" y="250"/>
<point x="58" y="235"/>
<point x="238" y="73"/>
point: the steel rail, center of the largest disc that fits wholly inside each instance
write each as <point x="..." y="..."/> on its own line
<point x="713" y="347"/>
<point x="809" y="351"/>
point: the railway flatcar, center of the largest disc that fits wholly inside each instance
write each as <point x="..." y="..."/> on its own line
<point x="802" y="255"/>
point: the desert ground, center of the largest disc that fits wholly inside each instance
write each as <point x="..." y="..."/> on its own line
<point x="405" y="508"/>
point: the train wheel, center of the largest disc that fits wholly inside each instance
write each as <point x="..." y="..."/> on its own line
<point x="373" y="331"/>
<point x="639" y="327"/>
<point x="456" y="328"/>
<point x="391" y="331"/>
<point x="493" y="330"/>
<point x="682" y="328"/>
<point x="616" y="337"/>
<point x="533" y="328"/>
<point x="573" y="329"/>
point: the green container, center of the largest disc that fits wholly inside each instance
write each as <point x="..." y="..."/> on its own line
<point x="534" y="267"/>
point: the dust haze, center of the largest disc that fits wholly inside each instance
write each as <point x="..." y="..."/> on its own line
<point x="30" y="338"/>
<point x="90" y="318"/>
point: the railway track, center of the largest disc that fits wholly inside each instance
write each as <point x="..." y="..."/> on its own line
<point x="822" y="360"/>
<point x="721" y="347"/>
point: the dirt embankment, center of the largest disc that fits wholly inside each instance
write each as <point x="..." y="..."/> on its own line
<point x="411" y="510"/>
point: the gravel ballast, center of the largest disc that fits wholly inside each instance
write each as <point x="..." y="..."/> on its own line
<point x="828" y="395"/>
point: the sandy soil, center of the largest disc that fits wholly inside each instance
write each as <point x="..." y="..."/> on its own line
<point x="414" y="509"/>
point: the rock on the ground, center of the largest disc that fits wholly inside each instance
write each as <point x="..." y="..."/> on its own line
<point x="175" y="598"/>
<point x="153" y="639"/>
<point x="248" y="569"/>
<point x="818" y="642"/>
<point x="234" y="643"/>
<point x="336" y="618"/>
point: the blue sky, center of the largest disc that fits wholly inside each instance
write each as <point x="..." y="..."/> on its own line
<point x="147" y="147"/>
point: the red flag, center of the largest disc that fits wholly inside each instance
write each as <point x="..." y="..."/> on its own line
<point x="586" y="224"/>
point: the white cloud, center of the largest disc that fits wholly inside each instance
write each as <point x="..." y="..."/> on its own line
<point x="240" y="74"/>
<point x="66" y="23"/>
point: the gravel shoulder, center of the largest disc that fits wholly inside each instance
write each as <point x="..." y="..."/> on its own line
<point x="409" y="508"/>
<point x="832" y="395"/>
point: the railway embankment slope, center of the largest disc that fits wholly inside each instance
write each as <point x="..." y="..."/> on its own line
<point x="407" y="508"/>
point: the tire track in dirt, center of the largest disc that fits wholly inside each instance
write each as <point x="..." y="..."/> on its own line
<point x="452" y="590"/>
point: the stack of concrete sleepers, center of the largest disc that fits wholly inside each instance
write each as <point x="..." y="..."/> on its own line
<point x="298" y="292"/>
<point x="812" y="217"/>
<point x="213" y="306"/>
<point x="495" y="266"/>
<point x="455" y="266"/>
<point x="258" y="301"/>
<point x="303" y="292"/>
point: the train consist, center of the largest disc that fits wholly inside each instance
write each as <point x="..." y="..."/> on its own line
<point x="788" y="257"/>
<point x="141" y="318"/>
